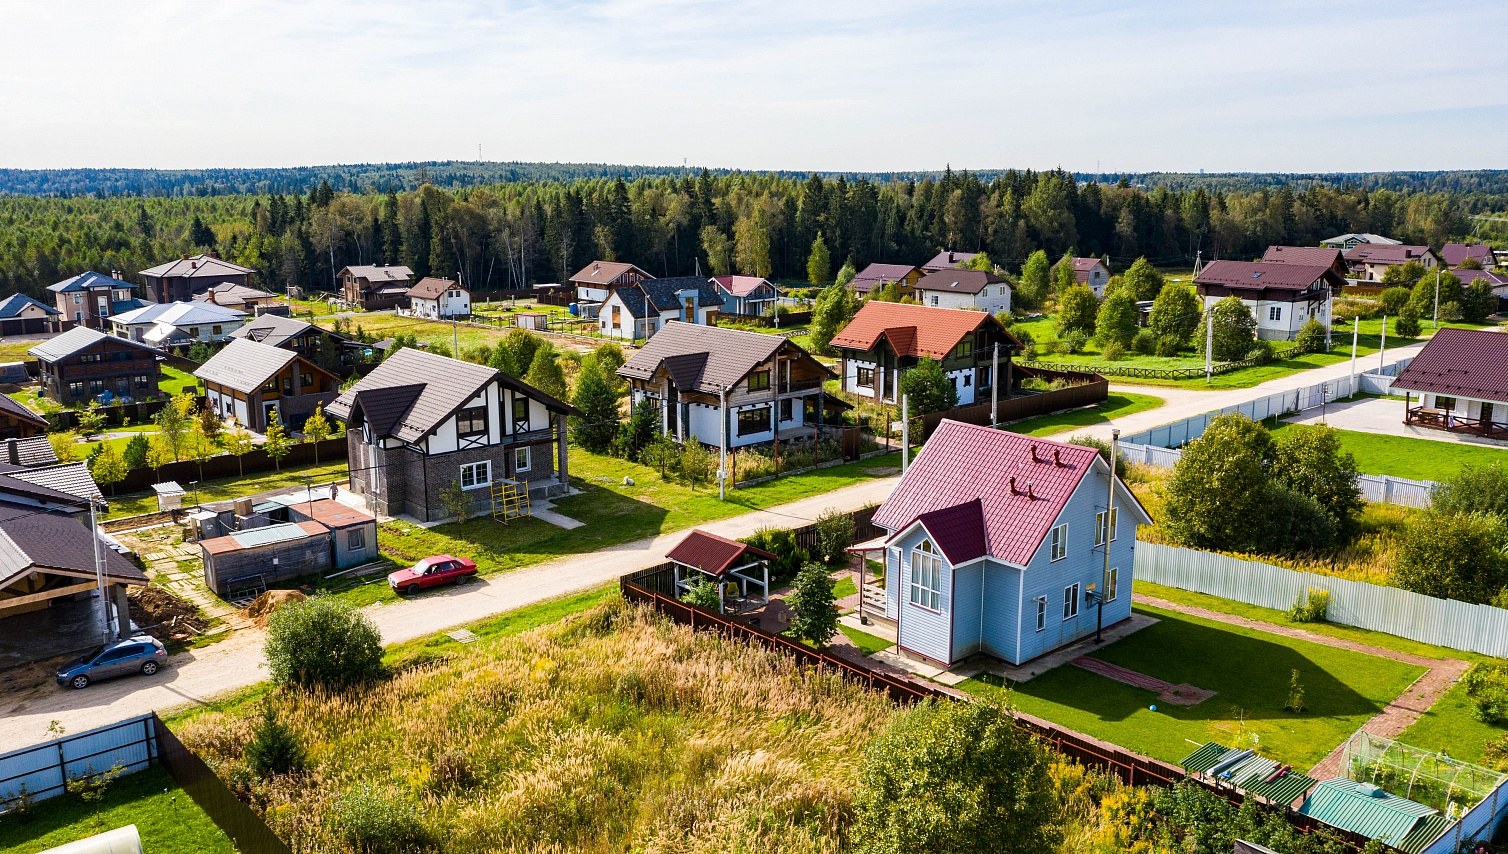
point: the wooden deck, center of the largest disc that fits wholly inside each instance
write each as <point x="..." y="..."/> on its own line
<point x="1443" y="419"/>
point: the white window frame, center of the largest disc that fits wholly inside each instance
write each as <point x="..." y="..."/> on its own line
<point x="1071" y="601"/>
<point x="1275" y="313"/>
<point x="926" y="577"/>
<point x="1059" y="542"/>
<point x="1099" y="525"/>
<point x="480" y="474"/>
<point x="523" y="459"/>
<point x="1112" y="583"/>
<point x="1041" y="613"/>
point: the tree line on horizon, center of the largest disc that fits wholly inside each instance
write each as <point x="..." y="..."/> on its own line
<point x="511" y="235"/>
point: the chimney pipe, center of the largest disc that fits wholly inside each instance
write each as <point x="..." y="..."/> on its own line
<point x="1035" y="458"/>
<point x="1013" y="486"/>
<point x="1057" y="458"/>
<point x="1029" y="493"/>
<point x="12" y="453"/>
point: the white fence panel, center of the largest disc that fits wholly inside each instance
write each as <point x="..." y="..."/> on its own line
<point x="44" y="769"/>
<point x="1442" y="622"/>
<point x="1478" y="823"/>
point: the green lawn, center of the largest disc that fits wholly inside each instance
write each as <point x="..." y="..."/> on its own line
<point x="1449" y="727"/>
<point x="426" y="331"/>
<point x="167" y="819"/>
<point x="226" y="489"/>
<point x="176" y="382"/>
<point x="867" y="643"/>
<point x="1406" y="456"/>
<point x="1248" y="669"/>
<point x="1117" y="405"/>
<point x="614" y="514"/>
<point x="845" y="587"/>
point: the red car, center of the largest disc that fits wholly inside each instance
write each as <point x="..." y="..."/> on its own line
<point x="431" y="571"/>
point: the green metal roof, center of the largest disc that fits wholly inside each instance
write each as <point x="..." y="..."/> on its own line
<point x="254" y="537"/>
<point x="1249" y="772"/>
<point x="1425" y="831"/>
<point x="1364" y="809"/>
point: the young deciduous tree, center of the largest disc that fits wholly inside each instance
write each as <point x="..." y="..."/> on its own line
<point x="928" y="388"/>
<point x="955" y="778"/>
<point x="210" y="422"/>
<point x="846" y="274"/>
<point x="1077" y="310"/>
<point x="1217" y="487"/>
<point x="814" y="614"/>
<point x="545" y="373"/>
<point x="1453" y="556"/>
<point x="1235" y="330"/>
<point x="1308" y="460"/>
<point x="172" y="427"/>
<point x="91" y="419"/>
<point x="108" y="467"/>
<point x="64" y="446"/>
<point x="819" y="264"/>
<point x="1034" y="279"/>
<point x="276" y="442"/>
<point x="1062" y="274"/>
<point x="718" y="249"/>
<point x="1117" y="319"/>
<point x="831" y="311"/>
<point x="135" y="454"/>
<point x="1311" y="337"/>
<point x="317" y="429"/>
<point x="1477" y="302"/>
<point x="239" y="441"/>
<point x="455" y="501"/>
<point x="1175" y="313"/>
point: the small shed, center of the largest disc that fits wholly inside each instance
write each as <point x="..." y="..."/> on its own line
<point x="1365" y="809"/>
<point x="246" y="563"/>
<point x="13" y="372"/>
<point x="729" y="564"/>
<point x="353" y="533"/>
<point x="169" y="495"/>
<point x="535" y="320"/>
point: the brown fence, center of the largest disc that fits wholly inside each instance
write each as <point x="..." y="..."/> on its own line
<point x="1087" y="390"/>
<point x="227" y="465"/>
<point x="138" y="413"/>
<point x="245" y="828"/>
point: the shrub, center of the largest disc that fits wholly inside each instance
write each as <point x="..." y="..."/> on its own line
<point x="1407" y="322"/>
<point x="1495" y="753"/>
<point x="1393" y="300"/>
<point x="1074" y="341"/>
<point x="1487" y="686"/>
<point x="814" y="616"/>
<point x="1087" y="441"/>
<point x="1260" y="352"/>
<point x="274" y="748"/>
<point x="451" y="772"/>
<point x="322" y="642"/>
<point x="1113" y="352"/>
<point x="789" y="555"/>
<point x="1145" y="342"/>
<point x="1453" y="556"/>
<point x="1291" y="522"/>
<point x="374" y="821"/>
<point x="1476" y="489"/>
<point x="703" y="594"/>
<point x="1311" y="338"/>
<point x="1310" y="606"/>
<point x="956" y="777"/>
<point x="834" y="534"/>
<point x="1168" y="345"/>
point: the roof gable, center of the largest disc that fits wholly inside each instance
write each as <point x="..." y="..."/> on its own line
<point x="1455" y="253"/>
<point x="934" y="332"/>
<point x="707" y="358"/>
<point x="245" y="365"/>
<point x="606" y="273"/>
<point x="86" y="281"/>
<point x="430" y="287"/>
<point x="14" y="304"/>
<point x="59" y="542"/>
<point x="1460" y="362"/>
<point x="742" y="286"/>
<point x="712" y="554"/>
<point x="1266" y="275"/>
<point x="196" y="267"/>
<point x="375" y="274"/>
<point x="1313" y="256"/>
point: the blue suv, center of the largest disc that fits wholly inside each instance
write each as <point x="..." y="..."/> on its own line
<point x="143" y="653"/>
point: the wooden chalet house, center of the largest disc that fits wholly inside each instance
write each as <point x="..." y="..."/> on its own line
<point x="597" y="280"/>
<point x="886" y="339"/>
<point x="253" y="382"/>
<point x="189" y="276"/>
<point x="85" y="364"/>
<point x="708" y="382"/>
<point x="877" y="276"/>
<point x="375" y="288"/>
<point x="18" y="422"/>
<point x="1457" y="384"/>
<point x="421" y="422"/>
<point x="301" y="337"/>
<point x="995" y="543"/>
<point x="1282" y="297"/>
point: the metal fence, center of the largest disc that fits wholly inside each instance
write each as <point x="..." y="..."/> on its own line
<point x="1274" y="405"/>
<point x="1377" y="488"/>
<point x="1442" y="622"/>
<point x="43" y="770"/>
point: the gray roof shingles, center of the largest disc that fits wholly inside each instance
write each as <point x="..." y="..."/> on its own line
<point x="702" y="358"/>
<point x="56" y="541"/>
<point x="244" y="365"/>
<point x="75" y="340"/>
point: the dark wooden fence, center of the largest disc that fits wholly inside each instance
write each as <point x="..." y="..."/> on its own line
<point x="227" y="465"/>
<point x="245" y="828"/>
<point x="1086" y="390"/>
<point x="115" y="416"/>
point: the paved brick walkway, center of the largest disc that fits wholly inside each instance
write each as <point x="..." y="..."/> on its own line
<point x="1176" y="695"/>
<point x="1395" y="717"/>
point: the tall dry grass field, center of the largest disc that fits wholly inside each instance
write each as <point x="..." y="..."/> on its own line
<point x="613" y="730"/>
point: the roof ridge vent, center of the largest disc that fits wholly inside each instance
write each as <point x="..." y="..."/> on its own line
<point x="1057" y="457"/>
<point x="1014" y="491"/>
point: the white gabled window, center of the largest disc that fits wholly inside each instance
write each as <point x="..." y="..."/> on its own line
<point x="1112" y="583"/>
<point x="476" y="475"/>
<point x="1071" y="601"/>
<point x="1099" y="526"/>
<point x="926" y="576"/>
<point x="1059" y="542"/>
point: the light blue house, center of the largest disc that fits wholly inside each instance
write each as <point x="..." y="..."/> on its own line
<point x="995" y="543"/>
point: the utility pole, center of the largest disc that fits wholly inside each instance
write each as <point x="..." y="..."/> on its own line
<point x="905" y="432"/>
<point x="1209" y="344"/>
<point x="1437" y="298"/>
<point x="1099" y="615"/>
<point x="1355" y="334"/>
<point x="99" y="573"/>
<point x="995" y="386"/>
<point x="1382" y="349"/>
<point x="722" y="445"/>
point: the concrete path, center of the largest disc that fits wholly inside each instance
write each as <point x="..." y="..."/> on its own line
<point x="198" y="675"/>
<point x="1397" y="716"/>
<point x="1183" y="402"/>
<point x="1374" y="415"/>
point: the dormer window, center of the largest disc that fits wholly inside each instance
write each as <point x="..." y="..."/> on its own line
<point x="926" y="576"/>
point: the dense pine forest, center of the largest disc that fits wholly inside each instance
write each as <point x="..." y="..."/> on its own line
<point x="512" y="232"/>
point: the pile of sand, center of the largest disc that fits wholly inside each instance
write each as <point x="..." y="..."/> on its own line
<point x="263" y="606"/>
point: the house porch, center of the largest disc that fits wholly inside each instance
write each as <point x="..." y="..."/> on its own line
<point x="1485" y="418"/>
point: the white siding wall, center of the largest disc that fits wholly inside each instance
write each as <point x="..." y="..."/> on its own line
<point x="990" y="299"/>
<point x="1292" y="316"/>
<point x="963" y="380"/>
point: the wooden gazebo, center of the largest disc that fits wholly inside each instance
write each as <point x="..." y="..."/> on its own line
<point x="725" y="562"/>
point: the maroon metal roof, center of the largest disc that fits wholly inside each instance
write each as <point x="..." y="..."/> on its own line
<point x="948" y="258"/>
<point x="1386" y="253"/>
<point x="1021" y="484"/>
<point x="876" y="274"/>
<point x="1312" y="256"/>
<point x="957" y="530"/>
<point x="1454" y="253"/>
<point x="1265" y="275"/>
<point x="1461" y="362"/>
<point x="712" y="554"/>
<point x="958" y="281"/>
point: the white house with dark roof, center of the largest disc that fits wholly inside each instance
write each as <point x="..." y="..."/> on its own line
<point x="439" y="299"/>
<point x="173" y="323"/>
<point x="971" y="289"/>
<point x="1094" y="272"/>
<point x="1458" y="383"/>
<point x="996" y="543"/>
<point x="597" y="280"/>
<point x="1456" y="254"/>
<point x="251" y="383"/>
<point x="421" y="422"/>
<point x="1281" y="297"/>
<point x="708" y="382"/>
<point x="637" y="311"/>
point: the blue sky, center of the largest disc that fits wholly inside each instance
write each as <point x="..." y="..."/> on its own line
<point x="871" y="85"/>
